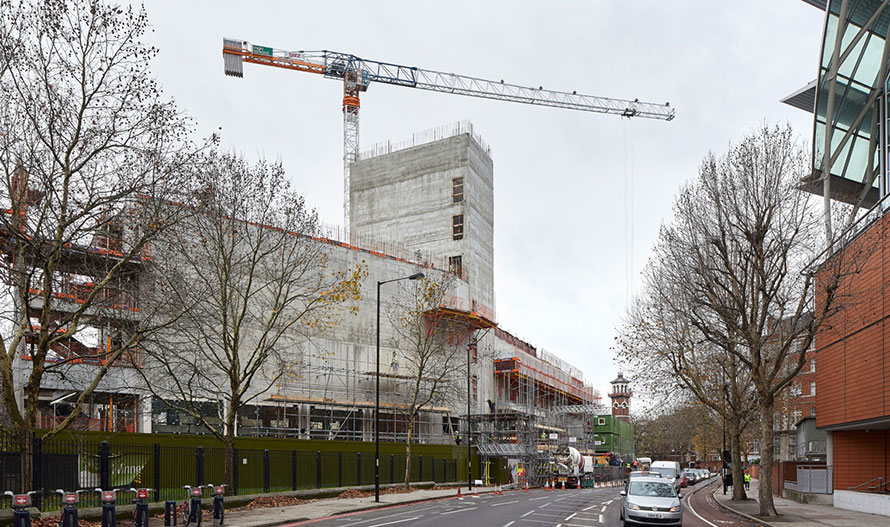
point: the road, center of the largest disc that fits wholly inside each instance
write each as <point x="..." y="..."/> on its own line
<point x="537" y="508"/>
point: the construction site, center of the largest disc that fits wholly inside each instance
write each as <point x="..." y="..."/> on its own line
<point x="426" y="203"/>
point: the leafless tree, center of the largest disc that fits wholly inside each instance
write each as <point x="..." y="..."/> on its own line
<point x="89" y="151"/>
<point x="252" y="282"/>
<point x="670" y="361"/>
<point x="739" y="256"/>
<point x="431" y="351"/>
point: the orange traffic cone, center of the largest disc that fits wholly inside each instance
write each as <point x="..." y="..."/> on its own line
<point x="547" y="486"/>
<point x="475" y="492"/>
<point x="579" y="483"/>
<point x="526" y="486"/>
<point x="562" y="485"/>
<point x="458" y="494"/>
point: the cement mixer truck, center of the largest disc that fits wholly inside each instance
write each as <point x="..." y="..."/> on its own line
<point x="567" y="467"/>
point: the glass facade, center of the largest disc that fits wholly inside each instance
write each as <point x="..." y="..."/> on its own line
<point x="858" y="106"/>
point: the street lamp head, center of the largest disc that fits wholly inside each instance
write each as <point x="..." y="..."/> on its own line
<point x="415" y="276"/>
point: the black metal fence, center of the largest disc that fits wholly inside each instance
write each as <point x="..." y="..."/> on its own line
<point x="84" y="465"/>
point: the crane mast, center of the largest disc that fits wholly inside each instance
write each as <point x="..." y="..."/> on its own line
<point x="357" y="74"/>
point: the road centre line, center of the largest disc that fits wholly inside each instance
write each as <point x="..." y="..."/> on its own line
<point x="527" y="513"/>
<point x="541" y="498"/>
<point x="396" y="521"/>
<point x="459" y="510"/>
<point x="588" y="508"/>
<point x="570" y="516"/>
<point x="504" y="503"/>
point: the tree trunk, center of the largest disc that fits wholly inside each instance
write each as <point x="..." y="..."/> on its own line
<point x="26" y="449"/>
<point x="408" y="452"/>
<point x="229" y="470"/>
<point x="738" y="475"/>
<point x="767" y="452"/>
<point x="229" y="439"/>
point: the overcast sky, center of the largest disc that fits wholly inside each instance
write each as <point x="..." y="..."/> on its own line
<point x="567" y="184"/>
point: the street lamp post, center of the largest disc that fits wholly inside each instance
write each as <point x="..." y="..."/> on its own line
<point x="415" y="276"/>
<point x="469" y="434"/>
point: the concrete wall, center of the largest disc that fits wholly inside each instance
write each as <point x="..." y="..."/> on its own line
<point x="406" y="197"/>
<point x="862" y="502"/>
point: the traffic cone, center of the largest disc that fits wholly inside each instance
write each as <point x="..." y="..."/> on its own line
<point x="547" y="485"/>
<point x="579" y="483"/>
<point x="458" y="494"/>
<point x="526" y="486"/>
<point x="475" y="492"/>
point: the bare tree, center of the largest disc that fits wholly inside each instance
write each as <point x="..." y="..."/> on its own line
<point x="738" y="256"/>
<point x="252" y="283"/>
<point x="430" y="355"/>
<point x="89" y="152"/>
<point x="671" y="361"/>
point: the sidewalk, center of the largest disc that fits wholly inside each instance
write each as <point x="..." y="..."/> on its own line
<point x="793" y="514"/>
<point x="322" y="508"/>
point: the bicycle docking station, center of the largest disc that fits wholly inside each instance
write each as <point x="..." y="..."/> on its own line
<point x="69" y="508"/>
<point x="169" y="513"/>
<point x="140" y="515"/>
<point x="21" y="516"/>
<point x="109" y="503"/>
<point x="218" y="506"/>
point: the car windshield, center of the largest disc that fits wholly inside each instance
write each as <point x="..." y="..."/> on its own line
<point x="665" y="472"/>
<point x="651" y="488"/>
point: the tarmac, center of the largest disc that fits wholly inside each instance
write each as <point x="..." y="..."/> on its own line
<point x="794" y="514"/>
<point x="323" y="508"/>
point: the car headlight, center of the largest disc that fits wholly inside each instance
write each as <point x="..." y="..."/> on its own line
<point x="633" y="506"/>
<point x="675" y="508"/>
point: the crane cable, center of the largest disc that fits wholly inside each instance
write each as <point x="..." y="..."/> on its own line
<point x="629" y="177"/>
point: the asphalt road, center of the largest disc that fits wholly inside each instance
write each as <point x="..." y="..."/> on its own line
<point x="537" y="508"/>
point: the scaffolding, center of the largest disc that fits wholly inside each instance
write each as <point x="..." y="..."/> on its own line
<point x="541" y="403"/>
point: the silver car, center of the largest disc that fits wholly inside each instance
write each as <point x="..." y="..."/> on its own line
<point x="650" y="501"/>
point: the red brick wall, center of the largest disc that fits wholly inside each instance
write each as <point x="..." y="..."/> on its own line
<point x="853" y="350"/>
<point x="860" y="456"/>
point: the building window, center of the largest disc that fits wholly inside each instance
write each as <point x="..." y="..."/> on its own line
<point x="812" y="388"/>
<point x="812" y="410"/>
<point x="455" y="265"/>
<point x="624" y="405"/>
<point x="601" y="421"/>
<point x="457" y="227"/>
<point x="812" y="365"/>
<point x="457" y="190"/>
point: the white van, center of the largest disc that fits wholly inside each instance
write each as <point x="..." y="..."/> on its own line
<point x="668" y="469"/>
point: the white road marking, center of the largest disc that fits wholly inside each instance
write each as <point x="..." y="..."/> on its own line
<point x="601" y="518"/>
<point x="508" y="524"/>
<point x="459" y="510"/>
<point x="570" y="516"/>
<point x="588" y="508"/>
<point x="689" y="506"/>
<point x="541" y="498"/>
<point x="544" y="505"/>
<point x="392" y="522"/>
<point x="526" y="514"/>
<point x="504" y="503"/>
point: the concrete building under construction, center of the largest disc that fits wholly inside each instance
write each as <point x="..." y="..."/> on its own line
<point x="427" y="203"/>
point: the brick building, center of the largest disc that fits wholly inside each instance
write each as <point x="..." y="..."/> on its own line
<point x="851" y="156"/>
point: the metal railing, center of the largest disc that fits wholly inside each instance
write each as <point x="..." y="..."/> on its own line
<point x="868" y="487"/>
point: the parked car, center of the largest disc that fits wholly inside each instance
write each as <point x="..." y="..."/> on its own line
<point x="651" y="501"/>
<point x="690" y="476"/>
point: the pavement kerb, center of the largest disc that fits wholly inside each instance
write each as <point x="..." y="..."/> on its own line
<point x="740" y="513"/>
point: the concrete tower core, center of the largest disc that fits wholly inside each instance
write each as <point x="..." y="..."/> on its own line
<point x="434" y="198"/>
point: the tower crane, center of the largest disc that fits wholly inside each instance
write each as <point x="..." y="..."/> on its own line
<point x="357" y="74"/>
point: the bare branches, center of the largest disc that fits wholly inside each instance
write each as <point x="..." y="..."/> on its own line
<point x="249" y="284"/>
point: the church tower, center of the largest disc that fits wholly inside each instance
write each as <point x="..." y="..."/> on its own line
<point x="620" y="398"/>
